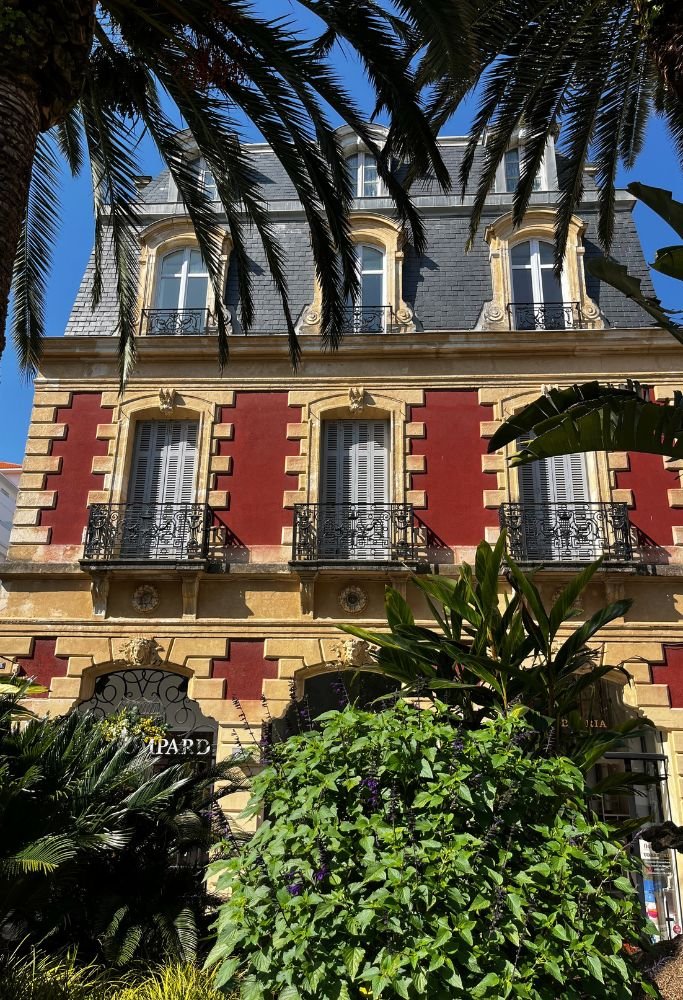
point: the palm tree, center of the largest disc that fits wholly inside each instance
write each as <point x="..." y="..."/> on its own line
<point x="598" y="67"/>
<point x="80" y="79"/>
<point x="100" y="849"/>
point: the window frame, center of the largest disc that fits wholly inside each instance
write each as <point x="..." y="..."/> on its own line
<point x="185" y="276"/>
<point x="358" y="174"/>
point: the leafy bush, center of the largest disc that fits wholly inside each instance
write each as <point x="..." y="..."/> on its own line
<point x="403" y="856"/>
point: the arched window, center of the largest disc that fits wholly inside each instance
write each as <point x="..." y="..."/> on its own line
<point x="180" y="301"/>
<point x="364" y="177"/>
<point x="537" y="298"/>
<point x="367" y="312"/>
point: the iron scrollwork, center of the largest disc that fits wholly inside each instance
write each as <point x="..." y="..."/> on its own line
<point x="354" y="532"/>
<point x="567" y="532"/>
<point x="368" y="319"/>
<point x="148" y="531"/>
<point x="544" y="315"/>
<point x="175" y="322"/>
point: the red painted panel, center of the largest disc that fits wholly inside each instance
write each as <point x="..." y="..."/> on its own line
<point x="671" y="673"/>
<point x="245" y="669"/>
<point x="74" y="481"/>
<point x="257" y="480"/>
<point x="453" y="480"/>
<point x="43" y="664"/>
<point x="650" y="481"/>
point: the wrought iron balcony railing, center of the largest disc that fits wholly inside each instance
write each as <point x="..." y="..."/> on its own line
<point x="140" y="532"/>
<point x="354" y="532"/>
<point x="175" y="322"/>
<point x="368" y="319"/>
<point x="544" y="315"/>
<point x="567" y="532"/>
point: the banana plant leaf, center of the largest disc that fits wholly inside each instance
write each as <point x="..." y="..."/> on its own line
<point x="594" y="417"/>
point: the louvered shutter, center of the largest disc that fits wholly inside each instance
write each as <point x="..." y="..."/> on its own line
<point x="559" y="525"/>
<point x="355" y="480"/>
<point x="164" y="462"/>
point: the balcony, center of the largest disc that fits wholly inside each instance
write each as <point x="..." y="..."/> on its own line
<point x="544" y="315"/>
<point x="176" y="322"/>
<point x="147" y="532"/>
<point x="567" y="532"/>
<point x="354" y="532"/>
<point x="368" y="319"/>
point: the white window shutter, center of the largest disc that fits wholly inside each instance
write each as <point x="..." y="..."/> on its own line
<point x="164" y="462"/>
<point x="356" y="462"/>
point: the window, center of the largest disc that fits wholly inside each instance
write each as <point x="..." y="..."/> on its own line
<point x="205" y="179"/>
<point x="557" y="520"/>
<point x="161" y="520"/>
<point x="355" y="515"/>
<point x="537" y="299"/>
<point x="366" y="313"/>
<point x="181" y="294"/>
<point x="364" y="177"/>
<point x="512" y="167"/>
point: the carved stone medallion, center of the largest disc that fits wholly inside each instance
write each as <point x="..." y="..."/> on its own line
<point x="167" y="400"/>
<point x="356" y="400"/>
<point x="145" y="598"/>
<point x="353" y="599"/>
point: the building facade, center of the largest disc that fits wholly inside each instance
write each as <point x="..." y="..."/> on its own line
<point x="191" y="545"/>
<point x="10" y="474"/>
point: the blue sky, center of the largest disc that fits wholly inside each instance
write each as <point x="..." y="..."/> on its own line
<point x="658" y="165"/>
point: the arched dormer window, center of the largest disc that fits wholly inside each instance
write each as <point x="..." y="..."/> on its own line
<point x="526" y="295"/>
<point x="181" y="294"/>
<point x="175" y="295"/>
<point x="369" y="311"/>
<point x="365" y="180"/>
<point x="538" y="299"/>
<point x="380" y="307"/>
<point x="205" y="178"/>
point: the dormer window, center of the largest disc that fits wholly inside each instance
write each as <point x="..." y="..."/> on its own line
<point x="364" y="177"/>
<point x="512" y="165"/>
<point x="205" y="179"/>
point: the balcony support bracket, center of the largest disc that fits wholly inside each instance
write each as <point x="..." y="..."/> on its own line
<point x="307" y="580"/>
<point x="99" y="591"/>
<point x="190" y="584"/>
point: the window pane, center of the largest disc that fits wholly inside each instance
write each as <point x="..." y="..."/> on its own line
<point x="168" y="293"/>
<point x="352" y="165"/>
<point x="371" y="259"/>
<point x="371" y="290"/>
<point x="545" y="251"/>
<point x="521" y="254"/>
<point x="172" y="262"/>
<point x="210" y="185"/>
<point x="552" y="289"/>
<point x="511" y="169"/>
<point x="522" y="289"/>
<point x="370" y="177"/>
<point x="195" y="293"/>
<point x="196" y="263"/>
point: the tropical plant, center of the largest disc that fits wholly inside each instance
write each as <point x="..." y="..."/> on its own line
<point x="598" y="68"/>
<point x="593" y="417"/>
<point x="494" y="653"/>
<point x="404" y="855"/>
<point x="80" y="80"/>
<point x="101" y="849"/>
<point x="668" y="261"/>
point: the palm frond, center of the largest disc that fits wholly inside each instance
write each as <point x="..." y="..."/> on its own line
<point x="34" y="256"/>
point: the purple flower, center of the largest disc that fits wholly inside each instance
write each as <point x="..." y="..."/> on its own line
<point x="371" y="786"/>
<point x="294" y="889"/>
<point x="321" y="874"/>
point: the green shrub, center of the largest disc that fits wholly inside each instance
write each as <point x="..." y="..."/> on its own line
<point x="46" y="977"/>
<point x="401" y="856"/>
<point x="173" y="982"/>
